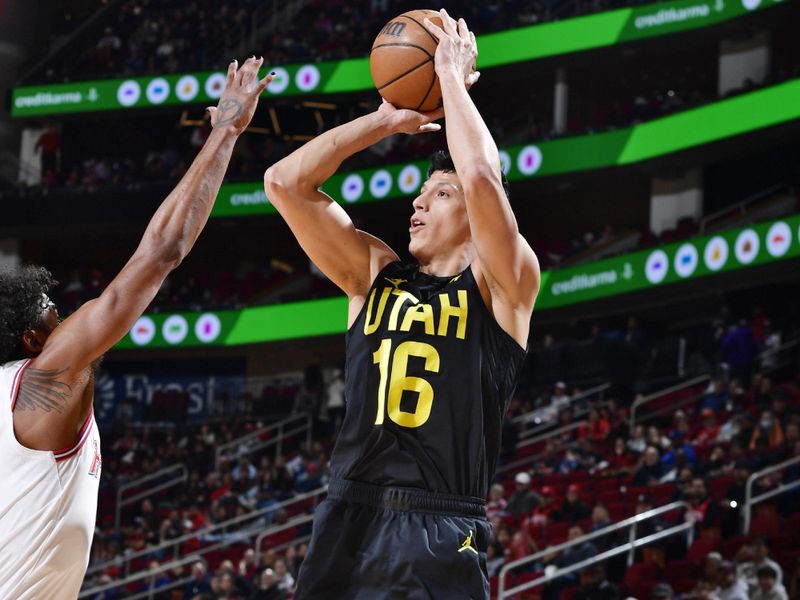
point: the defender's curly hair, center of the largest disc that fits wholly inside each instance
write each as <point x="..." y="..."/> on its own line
<point x="20" y="306"/>
<point x="442" y="161"/>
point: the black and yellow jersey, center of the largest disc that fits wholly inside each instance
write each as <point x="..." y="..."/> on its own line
<point x="429" y="375"/>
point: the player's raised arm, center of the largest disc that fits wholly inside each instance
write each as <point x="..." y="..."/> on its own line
<point x="350" y="258"/>
<point x="506" y="259"/>
<point x="56" y="373"/>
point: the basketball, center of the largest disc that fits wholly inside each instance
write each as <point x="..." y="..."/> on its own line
<point x="401" y="62"/>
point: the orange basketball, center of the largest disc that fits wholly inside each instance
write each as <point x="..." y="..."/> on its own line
<point x="401" y="62"/>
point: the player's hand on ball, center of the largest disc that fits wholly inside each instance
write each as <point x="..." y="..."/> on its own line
<point x="238" y="102"/>
<point x="457" y="51"/>
<point x="402" y="120"/>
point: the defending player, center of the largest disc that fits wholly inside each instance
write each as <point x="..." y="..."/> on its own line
<point x="49" y="442"/>
<point x="433" y="352"/>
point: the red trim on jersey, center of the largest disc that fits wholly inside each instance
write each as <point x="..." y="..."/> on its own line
<point x="16" y="383"/>
<point x="71" y="451"/>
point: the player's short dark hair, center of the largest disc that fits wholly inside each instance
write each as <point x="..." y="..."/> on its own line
<point x="442" y="161"/>
<point x="20" y="306"/>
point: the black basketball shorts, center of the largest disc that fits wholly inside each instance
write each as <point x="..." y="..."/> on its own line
<point x="380" y="543"/>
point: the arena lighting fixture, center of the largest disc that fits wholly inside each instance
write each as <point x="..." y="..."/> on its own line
<point x="723" y="252"/>
<point x="523" y="44"/>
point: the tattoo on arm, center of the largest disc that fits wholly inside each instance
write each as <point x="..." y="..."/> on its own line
<point x="227" y="111"/>
<point x="40" y="390"/>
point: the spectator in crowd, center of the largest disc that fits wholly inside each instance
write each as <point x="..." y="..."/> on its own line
<point x="768" y="433"/>
<point x="768" y="587"/>
<point x="637" y="442"/>
<point x="567" y="557"/>
<point x="336" y="405"/>
<point x="600" y="520"/>
<point x="542" y="514"/>
<point x="753" y="556"/>
<point x="709" y="429"/>
<point x="662" y="591"/>
<point x="716" y="397"/>
<point x="268" y="588"/>
<point x="621" y="461"/>
<point x="678" y="445"/>
<point x="594" y="585"/>
<point x="524" y="499"/>
<point x="283" y="577"/>
<point x="496" y="505"/>
<point x="597" y="427"/>
<point x="650" y="470"/>
<point x="702" y="505"/>
<point x="739" y="350"/>
<point x="200" y="583"/>
<point x="573" y="509"/>
<point x="731" y="586"/>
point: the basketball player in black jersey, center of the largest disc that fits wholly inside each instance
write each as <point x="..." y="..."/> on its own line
<point x="433" y="351"/>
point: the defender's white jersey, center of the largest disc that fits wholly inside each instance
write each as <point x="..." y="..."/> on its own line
<point x="48" y="503"/>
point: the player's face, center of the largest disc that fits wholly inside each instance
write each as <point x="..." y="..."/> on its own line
<point x="439" y="223"/>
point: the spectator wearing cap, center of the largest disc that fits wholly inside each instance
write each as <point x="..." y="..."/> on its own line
<point x="650" y="470"/>
<point x="542" y="513"/>
<point x="662" y="591"/>
<point x="768" y="587"/>
<point x="709" y="429"/>
<point x="524" y="499"/>
<point x="730" y="587"/>
<point x="753" y="556"/>
<point x="573" y="509"/>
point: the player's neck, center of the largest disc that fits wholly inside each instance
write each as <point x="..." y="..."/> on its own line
<point x="447" y="264"/>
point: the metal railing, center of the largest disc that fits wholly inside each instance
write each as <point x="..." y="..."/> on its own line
<point x="295" y="522"/>
<point x="182" y="475"/>
<point x="750" y="500"/>
<point x="639" y="402"/>
<point x="740" y="209"/>
<point x="538" y="415"/>
<point x="630" y="547"/>
<point x="218" y="534"/>
<point x="150" y="574"/>
<point x="275" y="434"/>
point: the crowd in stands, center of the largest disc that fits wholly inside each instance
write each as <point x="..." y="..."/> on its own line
<point x="144" y="37"/>
<point x="581" y="480"/>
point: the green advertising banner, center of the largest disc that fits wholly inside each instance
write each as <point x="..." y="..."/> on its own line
<point x="352" y="75"/>
<point x="726" y="118"/>
<point x="725" y="252"/>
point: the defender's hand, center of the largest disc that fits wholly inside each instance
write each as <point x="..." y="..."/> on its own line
<point x="238" y="102"/>
<point x="411" y="122"/>
<point x="457" y="51"/>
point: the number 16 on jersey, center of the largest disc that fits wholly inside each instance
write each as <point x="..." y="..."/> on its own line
<point x="398" y="382"/>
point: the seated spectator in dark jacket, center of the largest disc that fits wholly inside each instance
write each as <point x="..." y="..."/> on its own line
<point x="703" y="505"/>
<point x="573" y="509"/>
<point x="650" y="469"/>
<point x="268" y="587"/>
<point x="717" y="397"/>
<point x="594" y="585"/>
<point x="524" y="499"/>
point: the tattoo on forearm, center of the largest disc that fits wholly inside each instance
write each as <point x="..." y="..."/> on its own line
<point x="40" y="390"/>
<point x="228" y="111"/>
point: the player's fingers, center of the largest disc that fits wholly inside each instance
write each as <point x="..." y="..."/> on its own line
<point x="212" y="113"/>
<point x="231" y="72"/>
<point x="449" y="23"/>
<point x="251" y="71"/>
<point x="474" y="43"/>
<point x="245" y="68"/>
<point x="472" y="78"/>
<point x="463" y="31"/>
<point x="262" y="85"/>
<point x="437" y="31"/>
